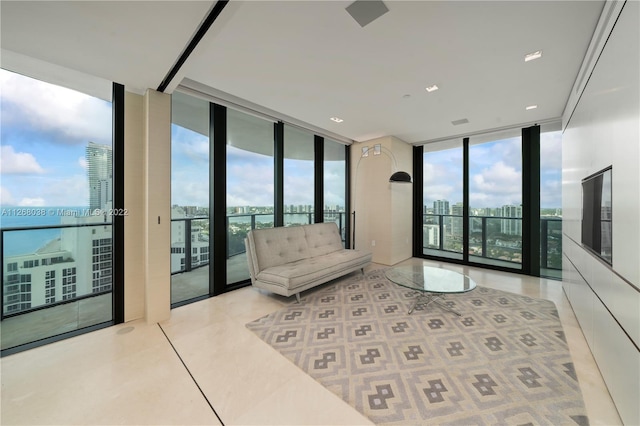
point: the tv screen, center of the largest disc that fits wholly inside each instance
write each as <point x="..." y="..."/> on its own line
<point x="596" y="214"/>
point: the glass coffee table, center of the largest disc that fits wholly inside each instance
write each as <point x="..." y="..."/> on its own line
<point x="432" y="284"/>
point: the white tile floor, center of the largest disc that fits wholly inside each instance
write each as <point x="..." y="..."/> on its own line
<point x="131" y="374"/>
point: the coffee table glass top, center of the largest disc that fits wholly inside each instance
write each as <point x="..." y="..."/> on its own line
<point x="430" y="279"/>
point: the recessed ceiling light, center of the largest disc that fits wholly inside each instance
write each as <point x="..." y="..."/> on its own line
<point x="533" y="55"/>
<point x="337" y="119"/>
<point x="531" y="107"/>
<point x="432" y="88"/>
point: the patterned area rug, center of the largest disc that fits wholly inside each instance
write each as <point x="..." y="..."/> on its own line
<point x="505" y="361"/>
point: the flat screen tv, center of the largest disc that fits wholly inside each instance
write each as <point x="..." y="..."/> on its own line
<point x="597" y="214"/>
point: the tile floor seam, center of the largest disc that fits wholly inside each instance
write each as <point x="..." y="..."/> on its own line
<point x="191" y="375"/>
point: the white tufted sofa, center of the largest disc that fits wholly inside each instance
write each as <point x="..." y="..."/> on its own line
<point x="288" y="260"/>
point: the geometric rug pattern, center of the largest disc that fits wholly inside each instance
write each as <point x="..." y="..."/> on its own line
<point x="505" y="361"/>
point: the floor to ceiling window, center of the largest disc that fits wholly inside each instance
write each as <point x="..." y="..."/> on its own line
<point x="234" y="170"/>
<point x="495" y="200"/>
<point x="551" y="203"/>
<point x="298" y="176"/>
<point x="57" y="202"/>
<point x="250" y="185"/>
<point x="442" y="194"/>
<point x="335" y="184"/>
<point x="189" y="198"/>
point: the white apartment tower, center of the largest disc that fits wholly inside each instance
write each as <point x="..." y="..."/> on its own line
<point x="100" y="174"/>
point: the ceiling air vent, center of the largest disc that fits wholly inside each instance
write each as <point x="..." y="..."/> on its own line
<point x="461" y="121"/>
<point x="366" y="11"/>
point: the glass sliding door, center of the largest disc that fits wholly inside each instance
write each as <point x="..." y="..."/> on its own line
<point x="335" y="167"/>
<point x="189" y="198"/>
<point x="298" y="176"/>
<point x="495" y="200"/>
<point x="551" y="204"/>
<point x="57" y="210"/>
<point x="250" y="185"/>
<point x="442" y="209"/>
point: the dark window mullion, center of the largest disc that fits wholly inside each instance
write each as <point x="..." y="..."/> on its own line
<point x="531" y="200"/>
<point x="465" y="200"/>
<point x="118" y="204"/>
<point x="418" y="200"/>
<point x="318" y="198"/>
<point x="217" y="199"/>
<point x="347" y="195"/>
<point x="278" y="178"/>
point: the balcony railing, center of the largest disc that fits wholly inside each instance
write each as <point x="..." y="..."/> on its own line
<point x="492" y="237"/>
<point x="237" y="227"/>
<point x="487" y="240"/>
<point x="72" y="262"/>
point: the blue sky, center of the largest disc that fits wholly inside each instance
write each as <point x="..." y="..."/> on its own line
<point x="249" y="175"/>
<point x="495" y="173"/>
<point x="44" y="131"/>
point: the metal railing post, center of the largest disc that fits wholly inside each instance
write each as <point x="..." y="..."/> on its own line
<point x="187" y="245"/>
<point x="484" y="236"/>
<point x="441" y="232"/>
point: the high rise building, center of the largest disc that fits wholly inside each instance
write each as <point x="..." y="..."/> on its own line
<point x="100" y="174"/>
<point x="441" y="207"/>
<point x="431" y="236"/>
<point x="511" y="226"/>
<point x="455" y="223"/>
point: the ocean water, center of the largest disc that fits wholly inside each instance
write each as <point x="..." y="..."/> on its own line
<point x="28" y="241"/>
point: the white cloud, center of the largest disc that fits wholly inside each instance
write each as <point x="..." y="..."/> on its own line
<point x="12" y="162"/>
<point x="195" y="150"/>
<point x="73" y="117"/>
<point x="83" y="162"/>
<point x="32" y="202"/>
<point x="190" y="192"/>
<point x="6" y="198"/>
<point x="496" y="186"/>
<point x="250" y="185"/>
<point x="50" y="191"/>
<point x="68" y="191"/>
<point x="442" y="181"/>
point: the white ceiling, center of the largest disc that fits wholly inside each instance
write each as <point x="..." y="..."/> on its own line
<point x="311" y="60"/>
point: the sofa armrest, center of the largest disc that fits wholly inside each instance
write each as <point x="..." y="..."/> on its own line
<point x="251" y="259"/>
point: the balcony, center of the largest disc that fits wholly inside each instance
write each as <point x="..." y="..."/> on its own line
<point x="55" y="279"/>
<point x="492" y="240"/>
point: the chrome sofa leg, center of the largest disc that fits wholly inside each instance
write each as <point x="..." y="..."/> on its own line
<point x="298" y="297"/>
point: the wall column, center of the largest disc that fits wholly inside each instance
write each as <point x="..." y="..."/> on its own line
<point x="383" y="222"/>
<point x="134" y="203"/>
<point x="157" y="205"/>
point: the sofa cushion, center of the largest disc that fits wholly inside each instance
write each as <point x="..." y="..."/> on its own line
<point x="303" y="271"/>
<point x="279" y="246"/>
<point x="323" y="238"/>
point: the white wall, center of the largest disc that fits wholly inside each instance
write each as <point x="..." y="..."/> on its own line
<point x="383" y="210"/>
<point x="602" y="129"/>
<point x="134" y="268"/>
<point x="157" y="220"/>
